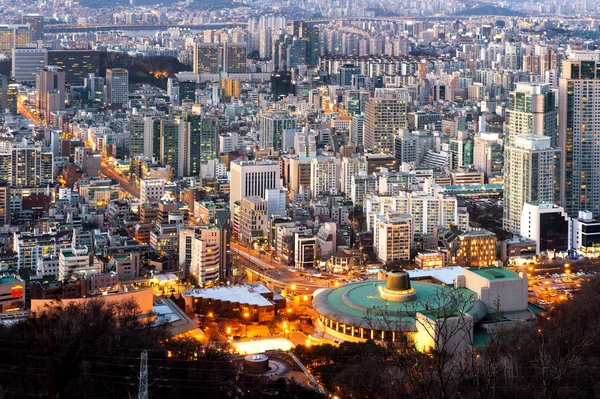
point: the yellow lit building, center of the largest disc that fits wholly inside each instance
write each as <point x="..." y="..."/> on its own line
<point x="477" y="247"/>
<point x="231" y="87"/>
<point x="13" y="36"/>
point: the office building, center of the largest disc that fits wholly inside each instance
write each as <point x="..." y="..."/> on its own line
<point x="531" y="110"/>
<point x="271" y="128"/>
<point x="77" y="64"/>
<point x="252" y="222"/>
<point x="547" y="225"/>
<point x="357" y="130"/>
<point x="488" y="154"/>
<point x="281" y="84"/>
<point x="584" y="234"/>
<point x="36" y="24"/>
<point x="206" y="58"/>
<point x="305" y="251"/>
<point x="151" y="190"/>
<point x="50" y="91"/>
<point x="385" y="115"/>
<point x="234" y="58"/>
<point x="346" y="72"/>
<point x="27" y="63"/>
<point x="579" y="111"/>
<point x="171" y="148"/>
<point x="74" y="261"/>
<point x="14" y="36"/>
<point x="173" y="90"/>
<point x="461" y="151"/>
<point x="476" y="248"/>
<point x="253" y="178"/>
<point x="412" y="147"/>
<point x="117" y="86"/>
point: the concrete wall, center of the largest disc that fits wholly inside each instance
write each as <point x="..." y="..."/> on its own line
<point x="510" y="292"/>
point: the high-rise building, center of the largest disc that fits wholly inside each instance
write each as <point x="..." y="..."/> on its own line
<point x="14" y="36"/>
<point x="531" y="174"/>
<point x="411" y="147"/>
<point x="461" y="150"/>
<point x="487" y="154"/>
<point x="385" y="115"/>
<point x="50" y="91"/>
<point x="346" y="73"/>
<point x="151" y="190"/>
<point x="117" y="86"/>
<point x="27" y="63"/>
<point x="252" y="178"/>
<point x="393" y="237"/>
<point x="531" y="110"/>
<point x="281" y="84"/>
<point x="271" y="127"/>
<point x="30" y="166"/>
<point x="173" y="90"/>
<point x="206" y="58"/>
<point x="200" y="252"/>
<point x="36" y="23"/>
<point x="357" y="127"/>
<point x="77" y="64"/>
<point x="324" y="176"/>
<point x="201" y="142"/>
<point x="171" y="145"/>
<point x="579" y="111"/>
<point x="234" y="58"/>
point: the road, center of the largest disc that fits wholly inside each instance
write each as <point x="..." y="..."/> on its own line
<point x="126" y="186"/>
<point x="274" y="272"/>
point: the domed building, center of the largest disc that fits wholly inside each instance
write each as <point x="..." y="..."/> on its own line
<point x="399" y="308"/>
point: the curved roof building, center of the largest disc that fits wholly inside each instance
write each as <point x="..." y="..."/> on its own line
<point x="398" y="307"/>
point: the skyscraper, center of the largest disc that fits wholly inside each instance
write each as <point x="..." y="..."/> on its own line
<point x="26" y="63"/>
<point x="385" y="115"/>
<point x="77" y="64"/>
<point x="117" y="86"/>
<point x="171" y="145"/>
<point x="579" y="110"/>
<point x="531" y="110"/>
<point x="201" y="142"/>
<point x="206" y="58"/>
<point x="36" y="23"/>
<point x="234" y="58"/>
<point x="281" y="84"/>
<point x="14" y="36"/>
<point x="30" y="166"/>
<point x="271" y="127"/>
<point x="50" y="91"/>
<point x="252" y="178"/>
<point x="531" y="174"/>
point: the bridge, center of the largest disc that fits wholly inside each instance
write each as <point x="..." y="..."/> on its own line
<point x="107" y="28"/>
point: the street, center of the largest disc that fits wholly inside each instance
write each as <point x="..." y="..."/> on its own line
<point x="126" y="186"/>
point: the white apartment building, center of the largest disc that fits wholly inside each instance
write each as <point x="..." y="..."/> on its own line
<point x="324" y="176"/>
<point x="393" y="237"/>
<point x="151" y="190"/>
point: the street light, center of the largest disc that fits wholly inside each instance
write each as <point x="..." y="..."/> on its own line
<point x="246" y="315"/>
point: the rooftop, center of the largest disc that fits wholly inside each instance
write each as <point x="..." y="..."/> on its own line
<point x="494" y="273"/>
<point x="243" y="294"/>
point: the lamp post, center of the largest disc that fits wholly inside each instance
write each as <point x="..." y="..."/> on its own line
<point x="246" y="315"/>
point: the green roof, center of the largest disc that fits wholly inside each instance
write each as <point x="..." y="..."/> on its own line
<point x="9" y="280"/>
<point x="493" y="273"/>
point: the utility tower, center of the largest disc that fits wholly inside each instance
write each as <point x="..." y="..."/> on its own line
<point x="144" y="375"/>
